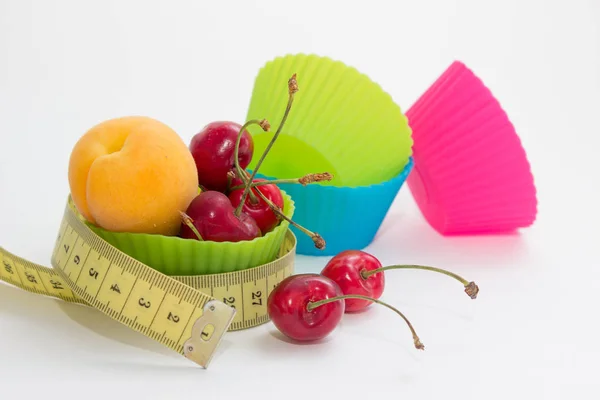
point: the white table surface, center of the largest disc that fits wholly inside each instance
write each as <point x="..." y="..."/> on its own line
<point x="531" y="334"/>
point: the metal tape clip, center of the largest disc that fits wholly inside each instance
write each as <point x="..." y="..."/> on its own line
<point x="207" y="332"/>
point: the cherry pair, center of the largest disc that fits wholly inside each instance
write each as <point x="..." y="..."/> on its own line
<point x="308" y="307"/>
<point x="233" y="206"/>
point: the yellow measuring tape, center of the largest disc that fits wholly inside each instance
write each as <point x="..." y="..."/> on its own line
<point x="188" y="314"/>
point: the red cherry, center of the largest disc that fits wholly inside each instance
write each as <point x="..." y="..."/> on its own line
<point x="288" y="306"/>
<point x="308" y="307"/>
<point x="212" y="215"/>
<point x="359" y="273"/>
<point x="259" y="210"/>
<point x="345" y="270"/>
<point x="213" y="151"/>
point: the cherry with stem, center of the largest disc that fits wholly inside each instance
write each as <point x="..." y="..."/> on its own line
<point x="210" y="217"/>
<point x="309" y="306"/>
<point x="248" y="181"/>
<point x="292" y="89"/>
<point x="417" y="342"/>
<point x="212" y="150"/>
<point x="358" y="272"/>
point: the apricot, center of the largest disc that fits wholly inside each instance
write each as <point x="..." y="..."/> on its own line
<point x="132" y="174"/>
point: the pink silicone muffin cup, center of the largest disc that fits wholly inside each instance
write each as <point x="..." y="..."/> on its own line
<point x="471" y="174"/>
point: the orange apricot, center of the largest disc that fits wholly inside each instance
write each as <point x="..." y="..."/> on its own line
<point x="132" y="174"/>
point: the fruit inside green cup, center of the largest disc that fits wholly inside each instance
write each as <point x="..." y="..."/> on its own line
<point x="290" y="158"/>
<point x="173" y="255"/>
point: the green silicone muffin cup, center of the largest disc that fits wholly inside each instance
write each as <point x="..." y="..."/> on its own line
<point x="341" y="114"/>
<point x="175" y="256"/>
<point x="290" y="158"/>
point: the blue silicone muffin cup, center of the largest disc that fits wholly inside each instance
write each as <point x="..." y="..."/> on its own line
<point x="346" y="217"/>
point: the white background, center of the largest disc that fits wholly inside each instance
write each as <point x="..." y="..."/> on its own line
<point x="532" y="333"/>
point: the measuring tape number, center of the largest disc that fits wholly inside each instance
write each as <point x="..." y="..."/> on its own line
<point x="188" y="314"/>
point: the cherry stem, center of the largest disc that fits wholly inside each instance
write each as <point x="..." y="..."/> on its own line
<point x="471" y="288"/>
<point x="305" y="180"/>
<point x="292" y="89"/>
<point x="416" y="340"/>
<point x="264" y="124"/>
<point x="316" y="238"/>
<point x="230" y="176"/>
<point x="190" y="223"/>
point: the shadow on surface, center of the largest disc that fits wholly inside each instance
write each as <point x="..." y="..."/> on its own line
<point x="42" y="309"/>
<point x="413" y="239"/>
<point x="103" y="325"/>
